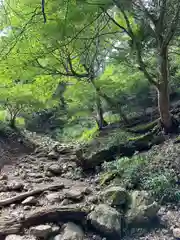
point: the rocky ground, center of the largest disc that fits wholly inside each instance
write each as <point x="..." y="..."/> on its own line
<point x="43" y="195"/>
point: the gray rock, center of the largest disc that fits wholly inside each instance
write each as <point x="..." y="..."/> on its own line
<point x="73" y="194"/>
<point x="55" y="229"/>
<point x="14" y="237"/>
<point x="53" y="155"/>
<point x="57" y="237"/>
<point x="30" y="201"/>
<point x="72" y="232"/>
<point x="53" y="197"/>
<point x="142" y="208"/>
<point x="15" y="186"/>
<point x="87" y="190"/>
<point x="115" y="196"/>
<point x="65" y="202"/>
<point x="18" y="237"/>
<point x="92" y="199"/>
<point x="176" y="233"/>
<point x="106" y="220"/>
<point x="42" y="231"/>
<point x="26" y="208"/>
<point x="3" y="177"/>
<point x="35" y="175"/>
<point x="55" y="169"/>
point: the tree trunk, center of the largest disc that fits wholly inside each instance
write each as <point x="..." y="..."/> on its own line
<point x="100" y="119"/>
<point x="12" y="122"/>
<point x="110" y="102"/>
<point x="163" y="105"/>
<point x="163" y="93"/>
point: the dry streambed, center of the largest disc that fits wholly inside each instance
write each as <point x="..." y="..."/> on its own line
<point x="43" y="196"/>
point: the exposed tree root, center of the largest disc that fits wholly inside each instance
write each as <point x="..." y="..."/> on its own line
<point x="22" y="196"/>
<point x="43" y="215"/>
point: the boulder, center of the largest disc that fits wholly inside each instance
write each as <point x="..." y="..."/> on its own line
<point x="55" y="169"/>
<point x="115" y="196"/>
<point x="73" y="194"/>
<point x="41" y="231"/>
<point x="53" y="197"/>
<point x="106" y="220"/>
<point x="72" y="232"/>
<point x="142" y="209"/>
<point x="15" y="186"/>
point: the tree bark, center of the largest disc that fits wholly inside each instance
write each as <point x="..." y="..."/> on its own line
<point x="163" y="91"/>
<point x="100" y="119"/>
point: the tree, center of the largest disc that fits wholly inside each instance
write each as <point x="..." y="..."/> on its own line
<point x="150" y="27"/>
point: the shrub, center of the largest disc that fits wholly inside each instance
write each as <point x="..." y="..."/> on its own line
<point x="163" y="187"/>
<point x="130" y="170"/>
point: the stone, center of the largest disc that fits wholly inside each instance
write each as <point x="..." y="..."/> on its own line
<point x="107" y="220"/>
<point x="18" y="237"/>
<point x="142" y="209"/>
<point x="15" y="186"/>
<point x="13" y="205"/>
<point x="73" y="194"/>
<point x="65" y="202"/>
<point x="53" y="197"/>
<point x="55" y="169"/>
<point x="176" y="233"/>
<point x="35" y="175"/>
<point x="57" y="237"/>
<point x="55" y="229"/>
<point x="26" y="208"/>
<point x="115" y="196"/>
<point x="72" y="232"/>
<point x="41" y="231"/>
<point x="92" y="199"/>
<point x="48" y="174"/>
<point x="87" y="190"/>
<point x="3" y="177"/>
<point x="53" y="155"/>
<point x="14" y="237"/>
<point x="30" y="201"/>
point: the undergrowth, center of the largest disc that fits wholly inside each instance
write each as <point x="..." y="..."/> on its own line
<point x="135" y="173"/>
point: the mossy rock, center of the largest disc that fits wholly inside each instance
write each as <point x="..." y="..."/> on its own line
<point x="107" y="177"/>
<point x="115" y="196"/>
<point x="144" y="128"/>
<point x="142" y="209"/>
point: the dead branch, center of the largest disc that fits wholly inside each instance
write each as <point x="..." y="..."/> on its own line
<point x="22" y="196"/>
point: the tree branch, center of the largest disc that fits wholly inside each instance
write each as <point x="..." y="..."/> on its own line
<point x="143" y="67"/>
<point x="43" y="10"/>
<point x="172" y="28"/>
<point x="116" y="23"/>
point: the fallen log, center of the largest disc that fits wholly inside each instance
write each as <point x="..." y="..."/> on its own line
<point x="22" y="196"/>
<point x="73" y="212"/>
<point x="88" y="160"/>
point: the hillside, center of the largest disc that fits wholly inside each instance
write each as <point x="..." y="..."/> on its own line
<point x="44" y="194"/>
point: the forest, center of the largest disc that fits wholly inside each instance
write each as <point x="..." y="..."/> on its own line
<point x="90" y="91"/>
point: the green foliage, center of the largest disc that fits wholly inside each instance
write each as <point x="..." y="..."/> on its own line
<point x="129" y="170"/>
<point x="163" y="186"/>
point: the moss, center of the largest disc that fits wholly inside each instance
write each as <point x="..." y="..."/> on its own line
<point x="144" y="128"/>
<point x="177" y="139"/>
<point x="107" y="177"/>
